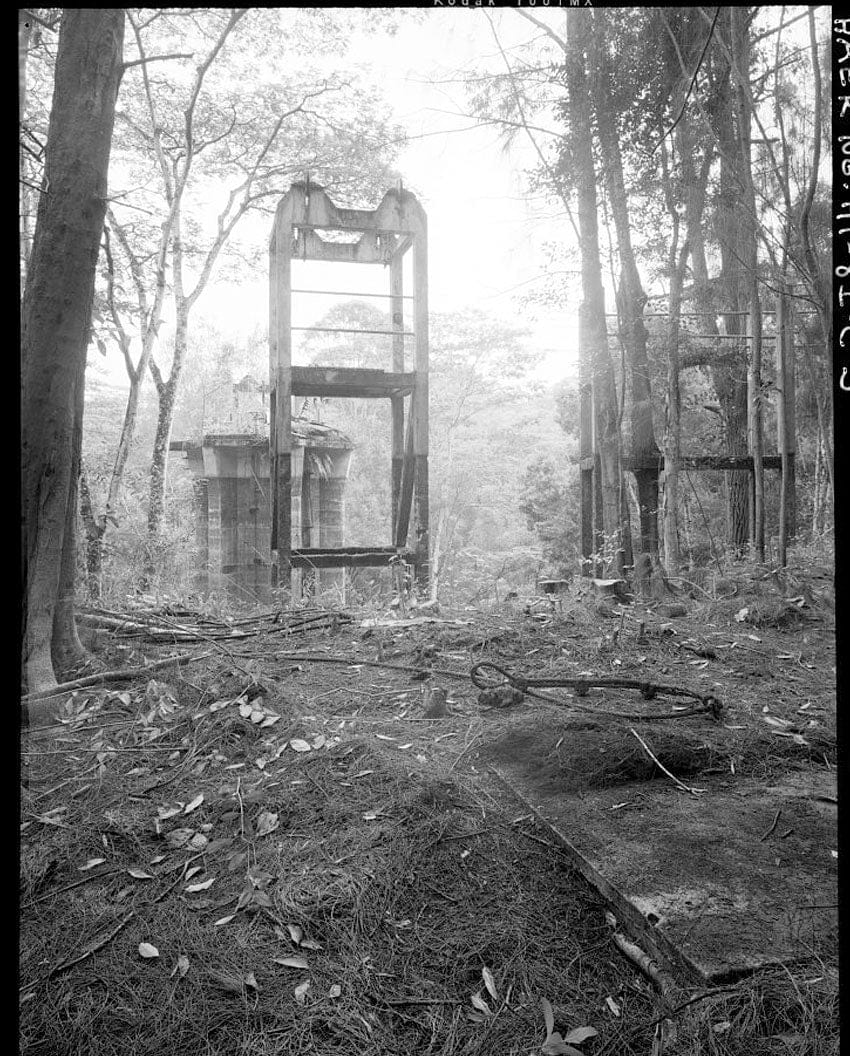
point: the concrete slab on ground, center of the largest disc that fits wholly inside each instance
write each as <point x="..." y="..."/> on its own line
<point x="705" y="878"/>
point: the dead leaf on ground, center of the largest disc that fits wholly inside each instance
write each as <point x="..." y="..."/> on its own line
<point x="555" y="1045"/>
<point x="147" y="951"/>
<point x="489" y="982"/>
<point x="182" y="966"/>
<point x="335" y="990"/>
<point x="91" y="864"/>
<point x="580" y="1034"/>
<point x="223" y="920"/>
<point x="203" y="885"/>
<point x="310" y="944"/>
<point x="613" y="1006"/>
<point x="300" y="992"/>
<point x="479" y="1003"/>
<point x="140" y="874"/>
<point x="267" y="822"/>
<point x="296" y="932"/>
<point x="195" y="803"/>
<point x="292" y="962"/>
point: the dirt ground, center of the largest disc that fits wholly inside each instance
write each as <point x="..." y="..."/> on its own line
<point x="272" y="849"/>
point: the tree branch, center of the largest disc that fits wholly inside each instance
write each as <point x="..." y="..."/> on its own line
<point x="158" y="58"/>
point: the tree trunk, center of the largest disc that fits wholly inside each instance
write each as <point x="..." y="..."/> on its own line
<point x="24" y="35"/>
<point x="749" y="225"/>
<point x="167" y="393"/>
<point x="632" y="298"/>
<point x="95" y="529"/>
<point x="729" y="367"/>
<point x="56" y="323"/>
<point x="593" y="335"/>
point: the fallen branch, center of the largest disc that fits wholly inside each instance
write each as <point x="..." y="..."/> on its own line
<point x="65" y="965"/>
<point x="120" y="675"/>
<point x="663" y="768"/>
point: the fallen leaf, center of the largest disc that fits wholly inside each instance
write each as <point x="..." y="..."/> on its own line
<point x="251" y="980"/>
<point x="182" y="966"/>
<point x="257" y="716"/>
<point x="385" y="737"/>
<point x="548" y="1016"/>
<point x="164" y="813"/>
<point x="192" y="872"/>
<point x="179" y="837"/>
<point x="140" y="874"/>
<point x="296" y="932"/>
<point x="489" y="982"/>
<point x="269" y="720"/>
<point x="335" y="990"/>
<point x="292" y="962"/>
<point x="580" y="1034"/>
<point x="300" y="991"/>
<point x="613" y="1006"/>
<point x="196" y="802"/>
<point x="267" y="822"/>
<point x="310" y="944"/>
<point x="147" y="951"/>
<point x="370" y="815"/>
<point x="479" y="1003"/>
<point x="364" y="773"/>
<point x="741" y="615"/>
<point x="223" y="920"/>
<point x="297" y="745"/>
<point x="319" y="741"/>
<point x="91" y="863"/>
<point x="245" y="710"/>
<point x="198" y="842"/>
<point x="555" y="1045"/>
<point x="721" y="1028"/>
<point x="204" y="885"/>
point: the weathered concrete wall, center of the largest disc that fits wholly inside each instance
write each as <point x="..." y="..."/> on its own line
<point x="232" y="513"/>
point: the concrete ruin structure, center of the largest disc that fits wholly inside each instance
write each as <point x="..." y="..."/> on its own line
<point x="232" y="498"/>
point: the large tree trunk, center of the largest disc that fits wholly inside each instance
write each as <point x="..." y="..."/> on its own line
<point x="729" y="366"/>
<point x="56" y="323"/>
<point x="593" y="334"/>
<point x="632" y="299"/>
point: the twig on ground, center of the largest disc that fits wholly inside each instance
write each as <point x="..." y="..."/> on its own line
<point x="65" y="965"/>
<point x="663" y="768"/>
<point x="773" y="825"/>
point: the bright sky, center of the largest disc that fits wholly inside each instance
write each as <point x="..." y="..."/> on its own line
<point x="485" y="229"/>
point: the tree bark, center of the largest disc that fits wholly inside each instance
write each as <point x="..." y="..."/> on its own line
<point x="729" y="367"/>
<point x="632" y="298"/>
<point x="56" y="323"/>
<point x="593" y="334"/>
<point x="740" y="51"/>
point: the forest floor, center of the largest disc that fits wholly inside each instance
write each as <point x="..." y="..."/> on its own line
<point x="271" y="848"/>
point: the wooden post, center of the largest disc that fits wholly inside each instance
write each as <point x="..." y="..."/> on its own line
<point x="419" y="402"/>
<point x="397" y="402"/>
<point x="280" y="382"/>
